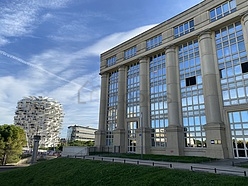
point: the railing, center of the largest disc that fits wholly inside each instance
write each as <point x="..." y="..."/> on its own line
<point x="217" y="170"/>
<point x="137" y="162"/>
<point x="161" y="164"/>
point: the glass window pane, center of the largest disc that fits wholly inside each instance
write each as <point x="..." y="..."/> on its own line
<point x="218" y="10"/>
<point x="225" y="7"/>
<point x="234" y="48"/>
<point x="241" y="92"/>
<point x="212" y="13"/>
<point x="232" y="4"/>
<point x="244" y="115"/>
<point x="191" y="23"/>
<point x="236" y="117"/>
<point x="241" y="46"/>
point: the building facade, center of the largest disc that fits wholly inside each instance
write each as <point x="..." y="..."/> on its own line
<point x="80" y="133"/>
<point x="40" y="116"/>
<point x="180" y="88"/>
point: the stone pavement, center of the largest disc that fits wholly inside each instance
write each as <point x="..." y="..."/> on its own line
<point x="225" y="166"/>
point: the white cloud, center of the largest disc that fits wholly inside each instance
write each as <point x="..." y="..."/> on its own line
<point x="49" y="3"/>
<point x="16" y="21"/>
<point x="115" y="39"/>
<point x="47" y="16"/>
<point x="20" y="17"/>
<point x="3" y="41"/>
<point x="73" y="31"/>
<point x="52" y="73"/>
<point x="36" y="81"/>
<point x="11" y="91"/>
<point x="75" y="27"/>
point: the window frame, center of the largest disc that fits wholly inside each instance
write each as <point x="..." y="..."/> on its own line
<point x="222" y="10"/>
<point x="184" y="28"/>
<point x="111" y="61"/>
<point x="154" y="42"/>
<point x="131" y="52"/>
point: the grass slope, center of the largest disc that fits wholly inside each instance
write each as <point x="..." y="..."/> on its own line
<point x="72" y="172"/>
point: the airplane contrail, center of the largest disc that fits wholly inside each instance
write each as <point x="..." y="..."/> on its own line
<point x="39" y="68"/>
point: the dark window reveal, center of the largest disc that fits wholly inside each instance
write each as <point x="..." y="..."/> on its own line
<point x="244" y="67"/>
<point x="191" y="81"/>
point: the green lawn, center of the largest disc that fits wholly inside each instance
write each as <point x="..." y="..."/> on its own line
<point x="71" y="172"/>
<point x="154" y="157"/>
<point x="244" y="165"/>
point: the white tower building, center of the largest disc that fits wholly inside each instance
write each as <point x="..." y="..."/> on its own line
<point x="40" y="116"/>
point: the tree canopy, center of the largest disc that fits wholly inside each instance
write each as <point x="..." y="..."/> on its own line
<point x="12" y="139"/>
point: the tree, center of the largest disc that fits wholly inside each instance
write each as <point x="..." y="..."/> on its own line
<point x="12" y="139"/>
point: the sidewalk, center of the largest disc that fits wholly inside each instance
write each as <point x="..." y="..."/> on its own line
<point x="218" y="167"/>
<point x="11" y="167"/>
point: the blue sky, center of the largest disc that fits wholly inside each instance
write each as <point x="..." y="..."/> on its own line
<point x="51" y="48"/>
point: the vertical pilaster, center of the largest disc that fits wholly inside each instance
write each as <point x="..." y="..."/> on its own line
<point x="245" y="29"/>
<point x="174" y="131"/>
<point x="119" y="132"/>
<point x="144" y="91"/>
<point x="215" y="129"/>
<point x="101" y="133"/>
<point x="144" y="130"/>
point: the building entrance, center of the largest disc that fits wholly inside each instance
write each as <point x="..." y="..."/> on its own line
<point x="239" y="131"/>
<point x="132" y="126"/>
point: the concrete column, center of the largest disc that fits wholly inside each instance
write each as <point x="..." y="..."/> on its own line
<point x="172" y="83"/>
<point x="174" y="131"/>
<point x="245" y="29"/>
<point x="35" y="149"/>
<point x="144" y="131"/>
<point x="121" y="98"/>
<point x="101" y="132"/>
<point x="215" y="129"/>
<point x="119" y="132"/>
<point x="144" y="91"/>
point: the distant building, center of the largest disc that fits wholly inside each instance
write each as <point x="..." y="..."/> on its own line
<point x="181" y="87"/>
<point x="40" y="116"/>
<point x="80" y="133"/>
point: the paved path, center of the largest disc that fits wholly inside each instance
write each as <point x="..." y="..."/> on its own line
<point x="11" y="167"/>
<point x="218" y="167"/>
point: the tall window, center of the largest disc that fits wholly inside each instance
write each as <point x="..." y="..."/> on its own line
<point x="193" y="108"/>
<point x="133" y="91"/>
<point x="112" y="106"/>
<point x="153" y="42"/>
<point x="232" y="61"/>
<point x="184" y="28"/>
<point x="158" y="100"/>
<point x="130" y="52"/>
<point x="239" y="131"/>
<point x="222" y="10"/>
<point x="111" y="61"/>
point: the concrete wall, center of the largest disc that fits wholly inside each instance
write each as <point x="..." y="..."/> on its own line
<point x="75" y="151"/>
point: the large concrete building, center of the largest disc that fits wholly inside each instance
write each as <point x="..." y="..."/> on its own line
<point x="180" y="88"/>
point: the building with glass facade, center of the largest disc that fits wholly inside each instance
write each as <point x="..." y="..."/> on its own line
<point x="180" y="88"/>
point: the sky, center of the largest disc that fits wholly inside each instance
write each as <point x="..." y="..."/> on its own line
<point x="52" y="48"/>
